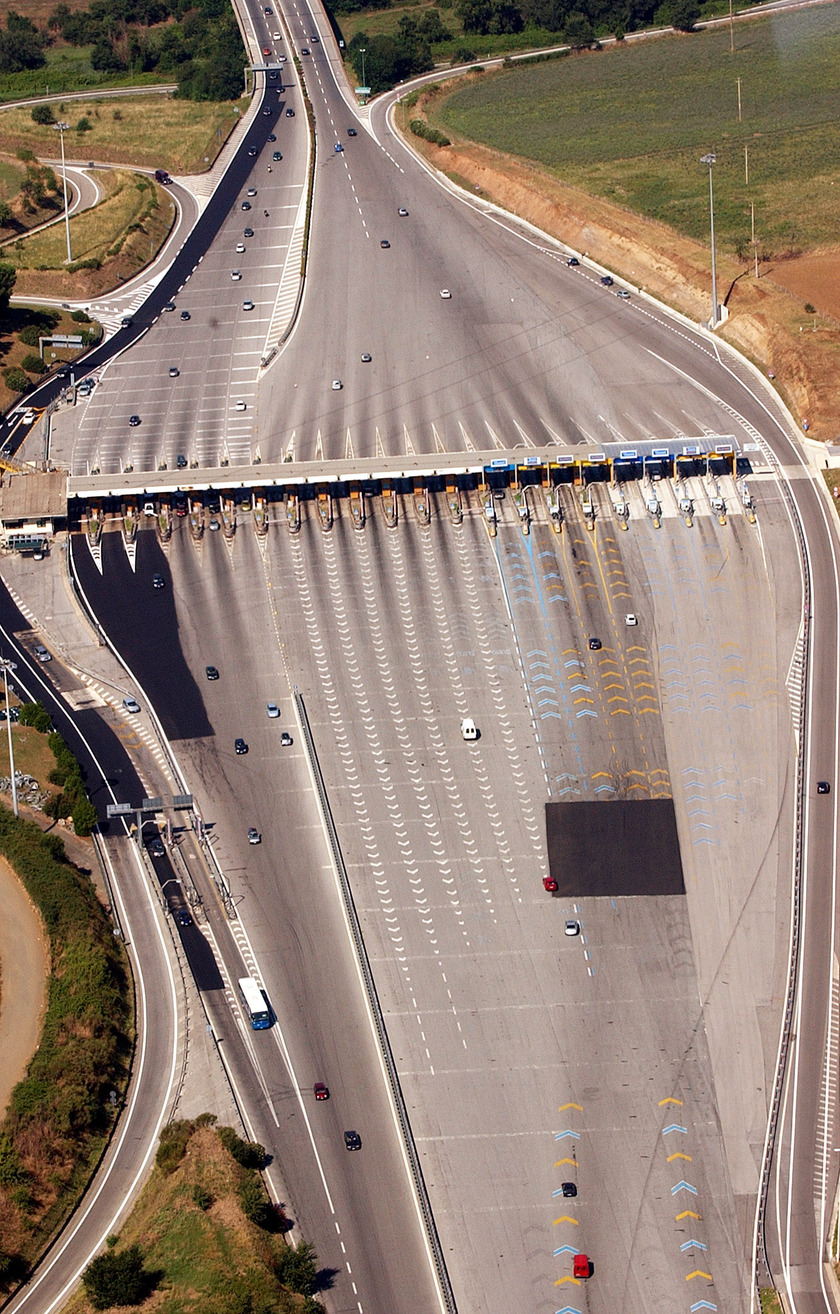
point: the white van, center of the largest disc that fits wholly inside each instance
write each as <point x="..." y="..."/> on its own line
<point x="468" y="728"/>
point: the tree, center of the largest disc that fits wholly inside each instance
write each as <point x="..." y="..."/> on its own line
<point x="21" y="45"/>
<point x="16" y="380"/>
<point x="116" y="1278"/>
<point x="33" y="364"/>
<point x="84" y="124"/>
<point x="84" y="819"/>
<point x="298" y="1269"/>
<point x="43" y="114"/>
<point x="6" y="214"/>
<point x="579" y="32"/>
<point x="8" y="276"/>
<point x="105" y="59"/>
<point x="684" y="15"/>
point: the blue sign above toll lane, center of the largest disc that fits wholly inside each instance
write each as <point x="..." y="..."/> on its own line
<point x="500" y="463"/>
<point x="630" y="455"/>
<point x="660" y="451"/>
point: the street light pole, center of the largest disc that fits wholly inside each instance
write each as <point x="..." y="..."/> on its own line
<point x="5" y="665"/>
<point x="62" y="128"/>
<point x="711" y="159"/>
<point x="362" y="53"/>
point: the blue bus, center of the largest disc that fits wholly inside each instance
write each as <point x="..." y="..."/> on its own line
<point x="254" y="1002"/>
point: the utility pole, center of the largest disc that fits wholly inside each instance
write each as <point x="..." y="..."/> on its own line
<point x="711" y="159"/>
<point x="62" y="128"/>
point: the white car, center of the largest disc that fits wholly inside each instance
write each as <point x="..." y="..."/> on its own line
<point x="273" y="711"/>
<point x="277" y="36"/>
<point x="149" y="509"/>
<point x="631" y="619"/>
<point x="469" y="730"/>
<point x="252" y="191"/>
<point x="337" y="385"/>
<point x="572" y="927"/>
<point x="446" y="294"/>
<point x="241" y="406"/>
<point x="240" y="248"/>
<point x="247" y="305"/>
<point x="254" y="835"/>
<point x="235" y="275"/>
<point x="131" y="705"/>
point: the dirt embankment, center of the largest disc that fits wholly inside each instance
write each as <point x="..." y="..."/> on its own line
<point x="767" y="318"/>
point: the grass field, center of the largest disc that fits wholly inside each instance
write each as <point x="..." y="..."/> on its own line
<point x="630" y="123"/>
<point x="93" y="232"/>
<point x="384" y="22"/>
<point x="68" y="68"/>
<point x="182" y="136"/>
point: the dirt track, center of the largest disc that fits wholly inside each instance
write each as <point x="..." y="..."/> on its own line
<point x="24" y="965"/>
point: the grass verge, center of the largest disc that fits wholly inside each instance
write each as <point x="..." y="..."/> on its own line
<point x="193" y="1226"/>
<point x="154" y="131"/>
<point x="61" y="1114"/>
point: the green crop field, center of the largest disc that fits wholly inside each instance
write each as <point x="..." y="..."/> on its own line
<point x="630" y="123"/>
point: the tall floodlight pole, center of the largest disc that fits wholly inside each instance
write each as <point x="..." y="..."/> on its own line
<point x="362" y="53"/>
<point x="62" y="128"/>
<point x="5" y="666"/>
<point x="710" y="159"/>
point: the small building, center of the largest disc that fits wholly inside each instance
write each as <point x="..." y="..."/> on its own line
<point x="33" y="507"/>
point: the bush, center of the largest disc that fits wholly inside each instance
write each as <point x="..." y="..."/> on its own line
<point x="250" y="1154"/>
<point x="33" y="364"/>
<point x="84" y="124"/>
<point x="173" y="1145"/>
<point x="36" y="715"/>
<point x="117" y="1278"/>
<point x="298" y="1269"/>
<point x="15" y="379"/>
<point x="85" y="817"/>
<point x="202" y="1198"/>
<point x="421" y="128"/>
<point x="80" y="317"/>
<point x="255" y="1203"/>
<point x="684" y="15"/>
<point x="43" y="114"/>
<point x="809" y="309"/>
<point x="30" y="335"/>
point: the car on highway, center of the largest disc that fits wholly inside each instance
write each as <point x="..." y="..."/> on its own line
<point x="550" y="884"/>
<point x="126" y="322"/>
<point x="215" y="526"/>
<point x="580" y="1266"/>
<point x="185" y="315"/>
<point x="158" y="582"/>
<point x="595" y="645"/>
<point x="351" y="132"/>
<point x="252" y="151"/>
<point x="240" y="248"/>
<point x="366" y="358"/>
<point x="149" y="509"/>
<point x="823" y="787"/>
<point x="155" y="847"/>
<point x="235" y="275"/>
<point x="285" y="740"/>
<point x="181" y="461"/>
<point x="446" y="294"/>
<point x="337" y="385"/>
<point x="402" y="212"/>
<point x="314" y="38"/>
<point x="338" y="147"/>
<point x="42" y="653"/>
<point x="183" y="917"/>
<point x="246" y="205"/>
<point x="179" y="502"/>
<point x="277" y="36"/>
<point x="266" y="50"/>
<point x="607" y="280"/>
<point x="623" y="294"/>
<point x="240" y="747"/>
<point x="320" y="1091"/>
<point x="248" y="232"/>
<point x="241" y="406"/>
<point x="254" y="836"/>
<point x="290" y="114"/>
<point x="277" y="155"/>
<point x="133" y="421"/>
<point x="174" y="371"/>
<point x="272" y="76"/>
<point x="573" y="262"/>
<point x="267" y="111"/>
<point x="572" y="927"/>
<point x="170" y="305"/>
<point x="631" y="618"/>
<point x="131" y="705"/>
<point x="304" y="50"/>
<point x="247" y="305"/>
<point x="469" y="729"/>
<point x="211" y="672"/>
<point x="252" y="191"/>
<point x="569" y="1190"/>
<point x="385" y="244"/>
<point x="273" y="711"/>
<point x="352" y="1140"/>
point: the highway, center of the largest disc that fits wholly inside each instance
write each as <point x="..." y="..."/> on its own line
<point x="635" y="1059"/>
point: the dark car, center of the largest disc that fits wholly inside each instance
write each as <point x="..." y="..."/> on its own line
<point x="290" y="114"/>
<point x="127" y="322"/>
<point x="170" y="305"/>
<point x="158" y="582"/>
<point x="181" y="461"/>
<point x="569" y="1189"/>
<point x="277" y="156"/>
<point x="246" y="205"/>
<point x="304" y="50"/>
<point x="285" y="739"/>
<point x="155" y="847"/>
<point x="351" y="132"/>
<point x="595" y="645"/>
<point x="352" y="1140"/>
<point x="183" y="918"/>
<point x="185" y="314"/>
<point x="320" y="1090"/>
<point x="267" y="112"/>
<point x="606" y="279"/>
<point x="249" y="232"/>
<point x="384" y="244"/>
<point x="823" y="787"/>
<point x="252" y="150"/>
<point x="211" y="672"/>
<point x="573" y="262"/>
<point x="272" y="77"/>
<point x="240" y="746"/>
<point x="134" y="420"/>
<point x="271" y="137"/>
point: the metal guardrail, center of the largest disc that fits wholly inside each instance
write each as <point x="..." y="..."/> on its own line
<point x="793" y="966"/>
<point x="376" y="1013"/>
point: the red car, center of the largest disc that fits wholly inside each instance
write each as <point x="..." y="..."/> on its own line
<point x="266" y="50"/>
<point x="321" y="1092"/>
<point x="550" y="884"/>
<point x="581" y="1266"/>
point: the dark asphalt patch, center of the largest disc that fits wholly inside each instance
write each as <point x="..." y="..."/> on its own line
<point x="614" y="849"/>
<point x="142" y="624"/>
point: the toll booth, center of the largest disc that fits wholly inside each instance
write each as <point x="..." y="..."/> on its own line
<point x="594" y="469"/>
<point x="562" y="470"/>
<point x="721" y="461"/>
<point x="627" y="466"/>
<point x="690" y="463"/>
<point x="659" y="464"/>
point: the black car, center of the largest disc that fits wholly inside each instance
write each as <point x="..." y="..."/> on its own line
<point x="569" y="1189"/>
<point x="823" y="787"/>
<point x="185" y="314"/>
<point x="127" y="322"/>
<point x="595" y="645"/>
<point x="183" y="918"/>
<point x="277" y="156"/>
<point x="267" y="111"/>
<point x="304" y="50"/>
<point x="170" y="305"/>
<point x="249" y="232"/>
<point x="351" y="132"/>
<point x="155" y="847"/>
<point x="211" y="672"/>
<point x="158" y="582"/>
<point x="572" y="262"/>
<point x="606" y="279"/>
<point x="181" y="461"/>
<point x="252" y="150"/>
<point x="271" y="137"/>
<point x="246" y="205"/>
<point x="384" y="244"/>
<point x="134" y="420"/>
<point x="352" y="1140"/>
<point x="290" y="114"/>
<point x="240" y="746"/>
